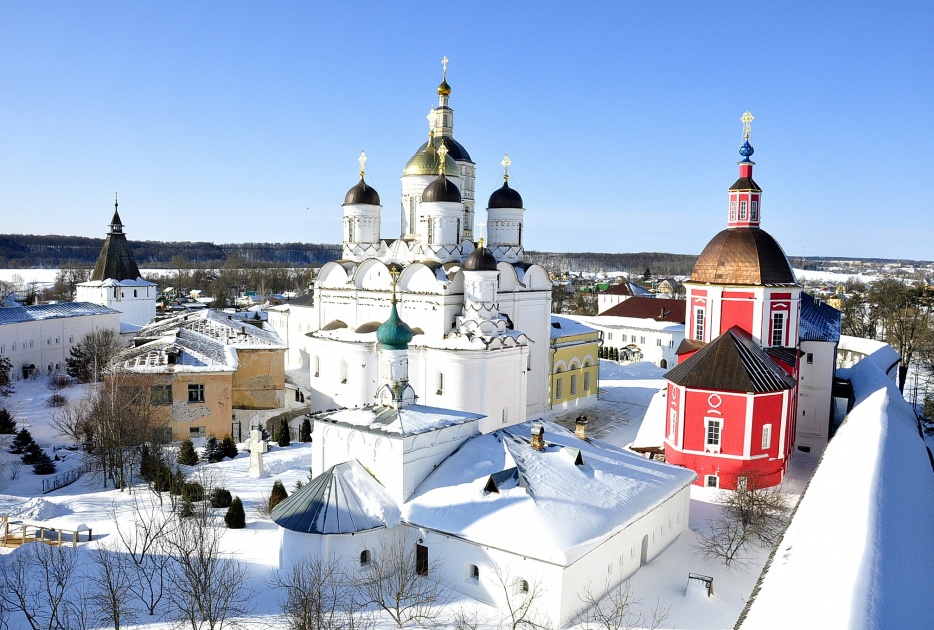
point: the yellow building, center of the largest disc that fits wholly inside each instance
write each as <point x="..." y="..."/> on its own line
<point x="574" y="364"/>
<point x="203" y="366"/>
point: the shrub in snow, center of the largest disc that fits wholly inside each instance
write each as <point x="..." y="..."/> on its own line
<point x="285" y="437"/>
<point x="278" y="495"/>
<point x="192" y="491"/>
<point x="55" y="401"/>
<point x="7" y="423"/>
<point x="304" y="435"/>
<point x="32" y="454"/>
<point x="212" y="451"/>
<point x="186" y="454"/>
<point x="59" y="381"/>
<point x="43" y="465"/>
<point x="220" y="498"/>
<point x="6" y="386"/>
<point x="186" y="509"/>
<point x="235" y="517"/>
<point x="21" y="442"/>
<point x="177" y="482"/>
<point x="229" y="447"/>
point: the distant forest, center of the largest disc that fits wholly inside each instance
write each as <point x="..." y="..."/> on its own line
<point x="659" y="264"/>
<point x="23" y="251"/>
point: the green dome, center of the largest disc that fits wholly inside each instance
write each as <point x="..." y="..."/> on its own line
<point x="426" y="161"/>
<point x="394" y="334"/>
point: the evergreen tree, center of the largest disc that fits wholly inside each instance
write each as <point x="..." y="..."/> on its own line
<point x="43" y="464"/>
<point x="212" y="451"/>
<point x="186" y="454"/>
<point x="177" y="482"/>
<point x="22" y="440"/>
<point x="33" y="454"/>
<point x="285" y="437"/>
<point x="220" y="498"/>
<point x="229" y="447"/>
<point x="7" y="423"/>
<point x="186" y="509"/>
<point x="90" y="356"/>
<point x="6" y="368"/>
<point x="235" y="517"/>
<point x="147" y="467"/>
<point x="192" y="491"/>
<point x="278" y="495"/>
<point x="305" y="434"/>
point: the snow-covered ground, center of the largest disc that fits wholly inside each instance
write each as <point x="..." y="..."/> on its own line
<point x="810" y="275"/>
<point x="625" y="392"/>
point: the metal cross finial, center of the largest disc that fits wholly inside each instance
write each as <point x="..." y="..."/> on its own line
<point x="431" y="120"/>
<point x="442" y="154"/>
<point x="747" y="124"/>
<point x="444" y="66"/>
<point x="395" y="280"/>
<point x="115" y="201"/>
<point x="506" y="162"/>
<point x="362" y="160"/>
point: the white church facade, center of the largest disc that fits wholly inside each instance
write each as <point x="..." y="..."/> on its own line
<point x="481" y="334"/>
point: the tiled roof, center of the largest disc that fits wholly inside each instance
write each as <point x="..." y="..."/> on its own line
<point x="344" y="499"/>
<point x="17" y="314"/>
<point x="743" y="255"/>
<point x="745" y="183"/>
<point x="731" y="362"/>
<point x="689" y="345"/>
<point x="116" y="260"/>
<point x="819" y="321"/>
<point x="627" y="288"/>
<point x="659" y="309"/>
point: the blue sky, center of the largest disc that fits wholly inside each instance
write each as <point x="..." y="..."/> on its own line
<point x="238" y="121"/>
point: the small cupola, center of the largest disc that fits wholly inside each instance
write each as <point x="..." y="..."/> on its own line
<point x="481" y="259"/>
<point x="362" y="193"/>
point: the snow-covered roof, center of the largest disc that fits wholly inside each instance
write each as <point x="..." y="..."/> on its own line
<point x="554" y="509"/>
<point x="344" y="499"/>
<point x="858" y="552"/>
<point x="652" y="430"/>
<point x="629" y="323"/>
<point x="564" y="327"/>
<point x="111" y="282"/>
<point x="878" y="352"/>
<point x="188" y="351"/>
<point x="226" y="328"/>
<point x="404" y="421"/>
<point x="17" y="314"/>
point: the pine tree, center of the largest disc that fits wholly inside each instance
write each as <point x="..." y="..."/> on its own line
<point x="186" y="454"/>
<point x="278" y="495"/>
<point x="7" y="423"/>
<point x="212" y="451"/>
<point x="305" y="434"/>
<point x="220" y="498"/>
<point x="6" y="368"/>
<point x="147" y="467"/>
<point x="187" y="509"/>
<point x="33" y="454"/>
<point x="229" y="447"/>
<point x="21" y="442"/>
<point x="235" y="517"/>
<point x="43" y="464"/>
<point x="285" y="437"/>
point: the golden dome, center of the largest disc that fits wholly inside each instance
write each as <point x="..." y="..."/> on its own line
<point x="426" y="161"/>
<point x="444" y="89"/>
<point x="743" y="255"/>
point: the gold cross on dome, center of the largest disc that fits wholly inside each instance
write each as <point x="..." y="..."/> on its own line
<point x="431" y="119"/>
<point x="362" y="160"/>
<point x="747" y="124"/>
<point x="506" y="162"/>
<point x="443" y="154"/>
<point x="444" y="65"/>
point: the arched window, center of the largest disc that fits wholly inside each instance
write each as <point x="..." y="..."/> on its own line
<point x="365" y="557"/>
<point x="474" y="572"/>
<point x="522" y="586"/>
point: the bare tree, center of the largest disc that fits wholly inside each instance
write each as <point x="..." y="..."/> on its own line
<point x="121" y="418"/>
<point x="618" y="609"/>
<point x="36" y="582"/>
<point x="906" y="321"/>
<point x="207" y="587"/>
<point x="145" y="546"/>
<point x="394" y="580"/>
<point x="521" y="597"/>
<point x="318" y="595"/>
<point x="752" y="513"/>
<point x="111" y="587"/>
<point x="71" y="420"/>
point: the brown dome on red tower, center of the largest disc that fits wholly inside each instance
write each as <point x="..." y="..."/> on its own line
<point x="743" y="256"/>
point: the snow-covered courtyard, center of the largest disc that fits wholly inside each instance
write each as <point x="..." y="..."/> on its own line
<point x="625" y="393"/>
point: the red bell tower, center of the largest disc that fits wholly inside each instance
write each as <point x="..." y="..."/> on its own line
<point x="745" y="194"/>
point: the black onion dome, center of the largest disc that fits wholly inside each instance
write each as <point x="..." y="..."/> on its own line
<point x="442" y="189"/>
<point x="362" y="193"/>
<point x="505" y="197"/>
<point x="480" y="260"/>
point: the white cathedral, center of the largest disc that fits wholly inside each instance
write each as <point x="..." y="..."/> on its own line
<point x="480" y="315"/>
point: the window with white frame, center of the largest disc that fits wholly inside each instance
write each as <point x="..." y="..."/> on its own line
<point x="755" y="211"/>
<point x="573" y="384"/>
<point x="766" y="436"/>
<point x="699" y="323"/>
<point x="742" y="210"/>
<point x="474" y="573"/>
<point x="732" y="211"/>
<point x="672" y="423"/>
<point x="712" y="431"/>
<point x="711" y="481"/>
<point x="558" y="392"/>
<point x="658" y="342"/>
<point x="778" y="329"/>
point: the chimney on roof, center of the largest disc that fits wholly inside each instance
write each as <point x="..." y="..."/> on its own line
<point x="580" y="427"/>
<point x="662" y="314"/>
<point x="538" y="436"/>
